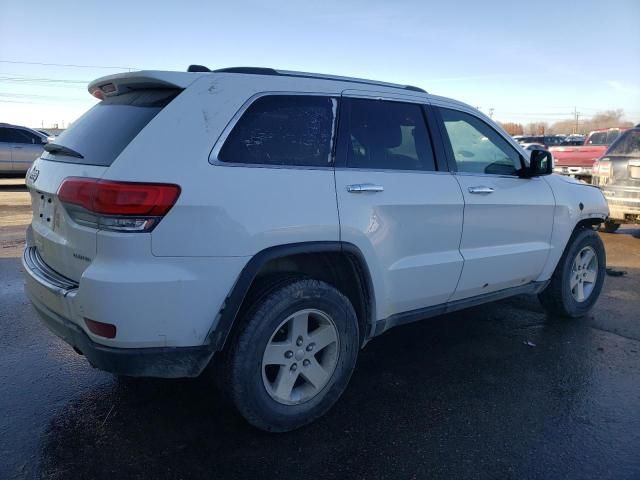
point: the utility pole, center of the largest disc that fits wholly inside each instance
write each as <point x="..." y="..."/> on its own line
<point x="491" y="112"/>
<point x="576" y="116"/>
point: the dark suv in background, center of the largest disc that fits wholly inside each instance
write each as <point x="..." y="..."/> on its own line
<point x="617" y="174"/>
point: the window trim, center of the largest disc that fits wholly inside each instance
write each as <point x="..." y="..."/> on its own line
<point x="222" y="138"/>
<point x="344" y="121"/>
<point x="446" y="142"/>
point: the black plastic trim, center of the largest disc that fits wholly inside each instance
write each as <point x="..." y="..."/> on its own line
<point x="163" y="362"/>
<point x="428" y="312"/>
<point x="218" y="336"/>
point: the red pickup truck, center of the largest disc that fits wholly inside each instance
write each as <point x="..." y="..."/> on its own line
<point x="578" y="161"/>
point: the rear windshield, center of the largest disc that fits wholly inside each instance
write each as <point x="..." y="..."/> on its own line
<point x="627" y="145"/>
<point x="105" y="130"/>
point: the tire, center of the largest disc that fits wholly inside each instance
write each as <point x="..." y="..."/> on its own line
<point x="562" y="296"/>
<point x="609" y="226"/>
<point x="271" y="358"/>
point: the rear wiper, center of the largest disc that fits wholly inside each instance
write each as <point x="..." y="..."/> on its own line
<point x="55" y="148"/>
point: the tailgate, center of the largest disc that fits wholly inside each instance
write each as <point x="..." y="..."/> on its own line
<point x="63" y="245"/>
<point x="87" y="149"/>
<point x="578" y="156"/>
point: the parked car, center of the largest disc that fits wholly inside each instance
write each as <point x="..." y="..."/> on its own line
<point x="578" y="161"/>
<point x="617" y="174"/>
<point x="281" y="220"/>
<point x="19" y="147"/>
<point x="533" y="146"/>
<point x="573" y="140"/>
<point x="546" y="140"/>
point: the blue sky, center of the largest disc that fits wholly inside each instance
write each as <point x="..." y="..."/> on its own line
<point x="528" y="61"/>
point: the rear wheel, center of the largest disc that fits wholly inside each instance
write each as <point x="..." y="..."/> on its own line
<point x="293" y="356"/>
<point x="577" y="281"/>
<point x="609" y="226"/>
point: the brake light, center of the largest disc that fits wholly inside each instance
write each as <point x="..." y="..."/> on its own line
<point x="119" y="206"/>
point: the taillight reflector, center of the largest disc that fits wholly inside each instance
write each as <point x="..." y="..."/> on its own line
<point x="119" y="198"/>
<point x="106" y="330"/>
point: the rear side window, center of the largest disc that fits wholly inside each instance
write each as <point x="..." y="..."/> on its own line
<point x="612" y="135"/>
<point x="387" y="135"/>
<point x="598" y="138"/>
<point x="287" y="130"/>
<point x="107" y="128"/>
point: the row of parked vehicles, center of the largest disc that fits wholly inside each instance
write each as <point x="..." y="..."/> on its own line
<point x="608" y="158"/>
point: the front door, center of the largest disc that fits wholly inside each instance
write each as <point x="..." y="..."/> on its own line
<point x="26" y="148"/>
<point x="395" y="206"/>
<point x="507" y="219"/>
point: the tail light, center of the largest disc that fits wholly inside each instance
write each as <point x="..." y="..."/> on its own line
<point x="117" y="206"/>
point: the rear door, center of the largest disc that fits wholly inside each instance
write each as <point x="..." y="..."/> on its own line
<point x="86" y="149"/>
<point x="394" y="205"/>
<point x="507" y="219"/>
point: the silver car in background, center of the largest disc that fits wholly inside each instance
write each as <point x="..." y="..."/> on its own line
<point x="19" y="147"/>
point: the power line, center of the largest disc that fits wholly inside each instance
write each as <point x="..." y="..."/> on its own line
<point x="67" y="65"/>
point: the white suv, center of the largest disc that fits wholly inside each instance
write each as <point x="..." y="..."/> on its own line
<point x="280" y="220"/>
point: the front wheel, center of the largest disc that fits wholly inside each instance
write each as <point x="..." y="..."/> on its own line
<point x="294" y="355"/>
<point x="578" y="278"/>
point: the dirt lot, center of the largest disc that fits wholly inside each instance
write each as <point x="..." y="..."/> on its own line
<point x="15" y="215"/>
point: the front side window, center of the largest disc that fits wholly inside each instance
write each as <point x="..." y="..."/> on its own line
<point x="286" y="130"/>
<point x="387" y="135"/>
<point x="478" y="148"/>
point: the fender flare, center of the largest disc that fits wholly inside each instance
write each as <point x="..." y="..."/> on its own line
<point x="217" y="336"/>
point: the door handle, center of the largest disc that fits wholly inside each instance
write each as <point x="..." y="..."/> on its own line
<point x="364" y="187"/>
<point x="480" y="189"/>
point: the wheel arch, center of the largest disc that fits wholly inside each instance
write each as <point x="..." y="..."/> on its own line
<point x="340" y="264"/>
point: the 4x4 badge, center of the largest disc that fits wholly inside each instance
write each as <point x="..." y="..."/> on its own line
<point x="33" y="175"/>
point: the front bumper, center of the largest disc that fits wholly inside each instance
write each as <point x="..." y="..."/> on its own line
<point x="49" y="293"/>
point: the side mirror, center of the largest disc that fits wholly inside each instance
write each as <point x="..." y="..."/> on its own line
<point x="540" y="163"/>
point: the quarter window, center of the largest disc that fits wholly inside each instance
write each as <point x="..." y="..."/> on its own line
<point x="478" y="148"/>
<point x="387" y="135"/>
<point x="294" y="130"/>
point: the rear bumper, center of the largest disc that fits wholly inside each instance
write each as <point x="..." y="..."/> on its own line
<point x="52" y="297"/>
<point x="573" y="170"/>
<point x="624" y="203"/>
<point x="165" y="362"/>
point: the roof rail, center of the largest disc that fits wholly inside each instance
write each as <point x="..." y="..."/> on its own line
<point x="286" y="73"/>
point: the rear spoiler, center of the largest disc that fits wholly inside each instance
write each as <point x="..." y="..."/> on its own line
<point x="119" y="83"/>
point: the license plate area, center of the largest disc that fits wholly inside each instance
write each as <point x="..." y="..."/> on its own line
<point x="46" y="210"/>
